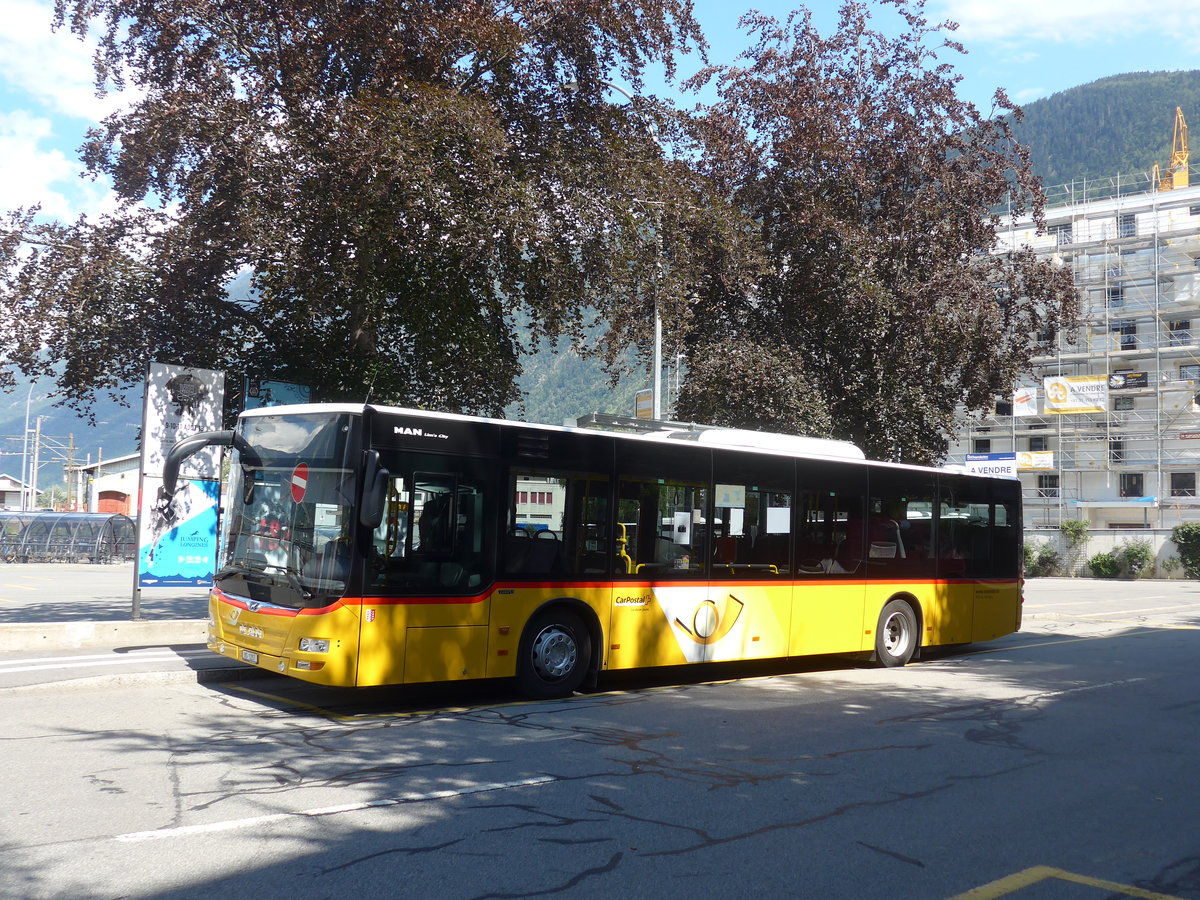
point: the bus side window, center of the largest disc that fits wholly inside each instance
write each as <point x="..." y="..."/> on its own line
<point x="433" y="537"/>
<point x="665" y="526"/>
<point x="752" y="531"/>
<point x="830" y="539"/>
<point x="556" y="523"/>
<point x="968" y="526"/>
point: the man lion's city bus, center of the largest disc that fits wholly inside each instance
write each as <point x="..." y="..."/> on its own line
<point x="366" y="545"/>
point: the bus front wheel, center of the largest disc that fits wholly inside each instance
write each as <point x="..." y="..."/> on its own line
<point x="555" y="652"/>
<point x="896" y="636"/>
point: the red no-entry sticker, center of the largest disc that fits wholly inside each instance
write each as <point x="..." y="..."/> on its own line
<point x="299" y="482"/>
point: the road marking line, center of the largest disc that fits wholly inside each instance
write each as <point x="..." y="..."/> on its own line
<point x="234" y="824"/>
<point x="154" y="653"/>
<point x="1147" y="629"/>
<point x="11" y="666"/>
<point x="366" y="718"/>
<point x="21" y="587"/>
<point x="1093" y="602"/>
<point x="1130" y="612"/>
<point x="1003" y="887"/>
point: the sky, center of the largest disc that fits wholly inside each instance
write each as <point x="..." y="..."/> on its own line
<point x="1031" y="48"/>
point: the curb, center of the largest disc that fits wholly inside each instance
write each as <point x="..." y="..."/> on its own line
<point x="23" y="636"/>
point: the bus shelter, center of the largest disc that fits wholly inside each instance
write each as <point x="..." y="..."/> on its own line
<point x="66" y="537"/>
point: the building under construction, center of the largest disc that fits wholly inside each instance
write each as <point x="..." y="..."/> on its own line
<point x="1107" y="427"/>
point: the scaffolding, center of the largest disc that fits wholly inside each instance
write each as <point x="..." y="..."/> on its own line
<point x="1136" y="463"/>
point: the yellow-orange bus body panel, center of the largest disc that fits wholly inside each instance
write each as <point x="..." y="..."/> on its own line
<point x="377" y="641"/>
<point x="270" y="638"/>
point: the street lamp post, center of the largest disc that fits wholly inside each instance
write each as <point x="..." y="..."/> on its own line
<point x="25" y="453"/>
<point x="656" y="376"/>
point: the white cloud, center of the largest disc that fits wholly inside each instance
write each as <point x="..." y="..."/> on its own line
<point x="29" y="169"/>
<point x="47" y="100"/>
<point x="1066" y="21"/>
<point x="35" y="172"/>
<point x="52" y="67"/>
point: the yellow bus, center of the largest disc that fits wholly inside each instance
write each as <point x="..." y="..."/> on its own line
<point x="367" y="545"/>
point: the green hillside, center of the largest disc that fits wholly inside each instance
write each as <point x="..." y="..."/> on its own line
<point x="561" y="386"/>
<point x="64" y="435"/>
<point x="1122" y="125"/>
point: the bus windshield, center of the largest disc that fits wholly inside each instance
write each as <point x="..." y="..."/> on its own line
<point x="286" y="531"/>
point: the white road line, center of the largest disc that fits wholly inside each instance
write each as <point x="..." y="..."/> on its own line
<point x="86" y="662"/>
<point x="234" y="824"/>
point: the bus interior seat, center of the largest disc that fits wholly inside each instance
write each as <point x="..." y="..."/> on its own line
<point x="537" y="554"/>
<point x="725" y="551"/>
<point x="771" y="549"/>
<point x="884" y="541"/>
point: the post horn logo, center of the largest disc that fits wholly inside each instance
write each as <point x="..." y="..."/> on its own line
<point x="711" y="621"/>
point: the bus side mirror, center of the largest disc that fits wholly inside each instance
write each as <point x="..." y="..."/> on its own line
<point x="374" y="491"/>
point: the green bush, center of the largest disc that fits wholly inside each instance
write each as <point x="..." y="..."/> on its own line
<point x="1134" y="558"/>
<point x="1187" y="539"/>
<point x="1075" y="531"/>
<point x="1040" y="560"/>
<point x="1104" y="565"/>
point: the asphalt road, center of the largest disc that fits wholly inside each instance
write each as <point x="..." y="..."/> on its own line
<point x="81" y="592"/>
<point x="1056" y="763"/>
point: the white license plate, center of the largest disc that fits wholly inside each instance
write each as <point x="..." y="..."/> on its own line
<point x="249" y="656"/>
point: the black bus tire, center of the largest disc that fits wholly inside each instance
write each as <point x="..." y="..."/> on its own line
<point x="554" y="655"/>
<point x="896" y="636"/>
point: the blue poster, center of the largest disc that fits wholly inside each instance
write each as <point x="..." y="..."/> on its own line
<point x="178" y="545"/>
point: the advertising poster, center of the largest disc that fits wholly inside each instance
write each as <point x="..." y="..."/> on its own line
<point x="177" y="540"/>
<point x="178" y="545"/>
<point x="1025" y="402"/>
<point x="180" y="402"/>
<point x="1076" y="394"/>
<point x="1128" y="381"/>
<point x="998" y="465"/>
<point x="1035" y="459"/>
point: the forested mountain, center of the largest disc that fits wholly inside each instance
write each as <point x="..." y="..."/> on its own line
<point x="1123" y="125"/>
<point x="561" y="386"/>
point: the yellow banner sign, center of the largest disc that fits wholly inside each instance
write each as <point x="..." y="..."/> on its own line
<point x="1035" y="459"/>
<point x="1076" y="394"/>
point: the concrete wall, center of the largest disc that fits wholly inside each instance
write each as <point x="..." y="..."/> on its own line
<point x="1106" y="541"/>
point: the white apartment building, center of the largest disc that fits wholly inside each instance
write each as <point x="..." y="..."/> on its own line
<point x="1107" y="427"/>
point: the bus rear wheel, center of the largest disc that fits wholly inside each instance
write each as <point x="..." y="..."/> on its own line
<point x="896" y="636"/>
<point x="555" y="652"/>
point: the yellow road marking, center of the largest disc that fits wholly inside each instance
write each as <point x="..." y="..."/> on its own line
<point x="1008" y="885"/>
<point x="21" y="587"/>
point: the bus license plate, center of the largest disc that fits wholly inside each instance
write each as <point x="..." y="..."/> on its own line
<point x="249" y="656"/>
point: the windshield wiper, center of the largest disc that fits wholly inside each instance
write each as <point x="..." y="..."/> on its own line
<point x="293" y="580"/>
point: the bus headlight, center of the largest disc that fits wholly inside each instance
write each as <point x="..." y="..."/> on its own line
<point x="314" y="645"/>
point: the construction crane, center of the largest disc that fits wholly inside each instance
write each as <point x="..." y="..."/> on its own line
<point x="1176" y="175"/>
